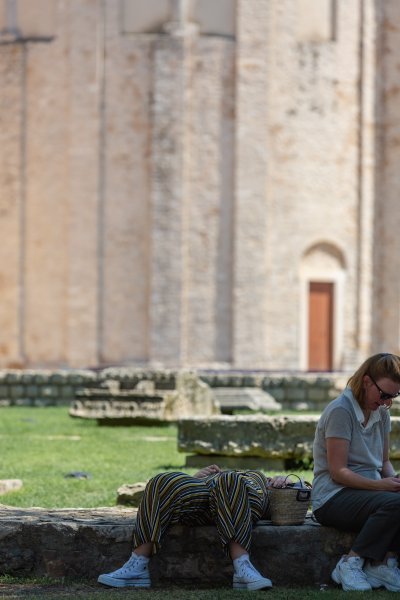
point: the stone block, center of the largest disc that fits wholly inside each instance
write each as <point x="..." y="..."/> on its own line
<point x="295" y="394"/>
<point x="32" y="391"/>
<point x="130" y="494"/>
<point x="23" y="402"/>
<point x="4" y="391"/>
<point x="283" y="438"/>
<point x="248" y="435"/>
<point x="250" y="398"/>
<point x="67" y="391"/>
<point x="316" y="394"/>
<point x="277" y="393"/>
<point x="13" y="377"/>
<point x="10" y="485"/>
<point x="49" y="391"/>
<point x="43" y="401"/>
<point x="17" y="391"/>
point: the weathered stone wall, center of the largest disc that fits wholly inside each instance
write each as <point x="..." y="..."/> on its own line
<point x="83" y="543"/>
<point x="293" y="392"/>
<point x="174" y="174"/>
<point x="50" y="387"/>
<point x="258" y="440"/>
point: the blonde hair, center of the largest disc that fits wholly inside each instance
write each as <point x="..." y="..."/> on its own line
<point x="377" y="366"/>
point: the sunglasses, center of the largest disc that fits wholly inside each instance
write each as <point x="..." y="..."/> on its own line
<point x="384" y="395"/>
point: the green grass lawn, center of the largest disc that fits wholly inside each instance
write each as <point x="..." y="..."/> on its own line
<point x="42" y="445"/>
<point x="36" y="589"/>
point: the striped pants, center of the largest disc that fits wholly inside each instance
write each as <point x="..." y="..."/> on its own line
<point x="232" y="500"/>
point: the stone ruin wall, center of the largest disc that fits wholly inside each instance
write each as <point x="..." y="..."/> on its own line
<point x="58" y="387"/>
<point x="166" y="195"/>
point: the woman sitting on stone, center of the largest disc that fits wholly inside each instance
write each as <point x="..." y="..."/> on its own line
<point x="355" y="486"/>
<point x="232" y="500"/>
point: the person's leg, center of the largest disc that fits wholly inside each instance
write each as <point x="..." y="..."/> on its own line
<point x="168" y="498"/>
<point x="374" y="515"/>
<point x="236" y="502"/>
<point x="376" y="518"/>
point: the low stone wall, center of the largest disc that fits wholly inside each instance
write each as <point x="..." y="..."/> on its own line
<point x="257" y="441"/>
<point x="51" y="388"/>
<point x="82" y="543"/>
<point x="42" y="388"/>
<point x="293" y="391"/>
<point x="48" y="387"/>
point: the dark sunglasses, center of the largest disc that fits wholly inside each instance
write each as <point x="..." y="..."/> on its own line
<point x="384" y="395"/>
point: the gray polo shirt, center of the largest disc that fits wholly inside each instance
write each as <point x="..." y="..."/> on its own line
<point x="343" y="418"/>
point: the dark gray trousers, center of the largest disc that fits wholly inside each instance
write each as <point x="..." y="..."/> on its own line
<point x="375" y="515"/>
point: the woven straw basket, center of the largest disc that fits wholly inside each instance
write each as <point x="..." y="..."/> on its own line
<point x="289" y="505"/>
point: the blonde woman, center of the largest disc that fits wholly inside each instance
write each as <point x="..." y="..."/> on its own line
<point x="355" y="486"/>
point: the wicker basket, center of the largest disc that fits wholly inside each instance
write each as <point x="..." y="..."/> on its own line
<point x="289" y="504"/>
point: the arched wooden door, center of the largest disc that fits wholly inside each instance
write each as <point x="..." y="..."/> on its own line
<point x="320" y="326"/>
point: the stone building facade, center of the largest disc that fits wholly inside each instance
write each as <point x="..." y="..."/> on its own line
<point x="199" y="182"/>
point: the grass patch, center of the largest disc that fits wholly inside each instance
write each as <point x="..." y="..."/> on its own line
<point x="42" y="445"/>
<point x="32" y="589"/>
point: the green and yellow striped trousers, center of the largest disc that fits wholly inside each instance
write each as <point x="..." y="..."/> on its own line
<point x="232" y="500"/>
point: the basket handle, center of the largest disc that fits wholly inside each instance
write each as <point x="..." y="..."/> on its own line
<point x="292" y="484"/>
<point x="304" y="493"/>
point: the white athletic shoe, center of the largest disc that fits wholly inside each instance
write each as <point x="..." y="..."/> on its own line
<point x="134" y="573"/>
<point x="387" y="576"/>
<point x="248" y="578"/>
<point x="349" y="573"/>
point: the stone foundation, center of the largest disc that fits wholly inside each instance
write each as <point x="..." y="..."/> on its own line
<point x="82" y="543"/>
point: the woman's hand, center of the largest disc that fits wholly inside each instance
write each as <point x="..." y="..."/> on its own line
<point x="389" y="484"/>
<point x="206" y="471"/>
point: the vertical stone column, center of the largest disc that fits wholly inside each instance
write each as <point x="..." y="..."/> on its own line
<point x="387" y="243"/>
<point x="125" y="191"/>
<point x="12" y="201"/>
<point x="170" y="194"/>
<point x="369" y="161"/>
<point x="250" y="254"/>
<point x="84" y="30"/>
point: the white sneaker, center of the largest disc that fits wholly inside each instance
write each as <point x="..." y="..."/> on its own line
<point x="134" y="573"/>
<point x="387" y="575"/>
<point x="349" y="573"/>
<point x="248" y="578"/>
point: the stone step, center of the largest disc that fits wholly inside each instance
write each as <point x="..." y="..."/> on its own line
<point x="82" y="543"/>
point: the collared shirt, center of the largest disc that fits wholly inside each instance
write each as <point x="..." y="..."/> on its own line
<point x="343" y="418"/>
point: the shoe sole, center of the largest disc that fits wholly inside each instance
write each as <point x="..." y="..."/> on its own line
<point x="253" y="586"/>
<point x="376" y="583"/>
<point x="120" y="583"/>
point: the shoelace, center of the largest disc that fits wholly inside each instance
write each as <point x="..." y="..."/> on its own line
<point x="246" y="568"/>
<point x="130" y="564"/>
<point x="356" y="571"/>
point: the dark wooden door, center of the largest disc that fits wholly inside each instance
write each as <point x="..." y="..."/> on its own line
<point x="320" y="326"/>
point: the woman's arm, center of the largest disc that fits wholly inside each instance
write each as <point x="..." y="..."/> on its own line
<point x="387" y="468"/>
<point x="337" y="455"/>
